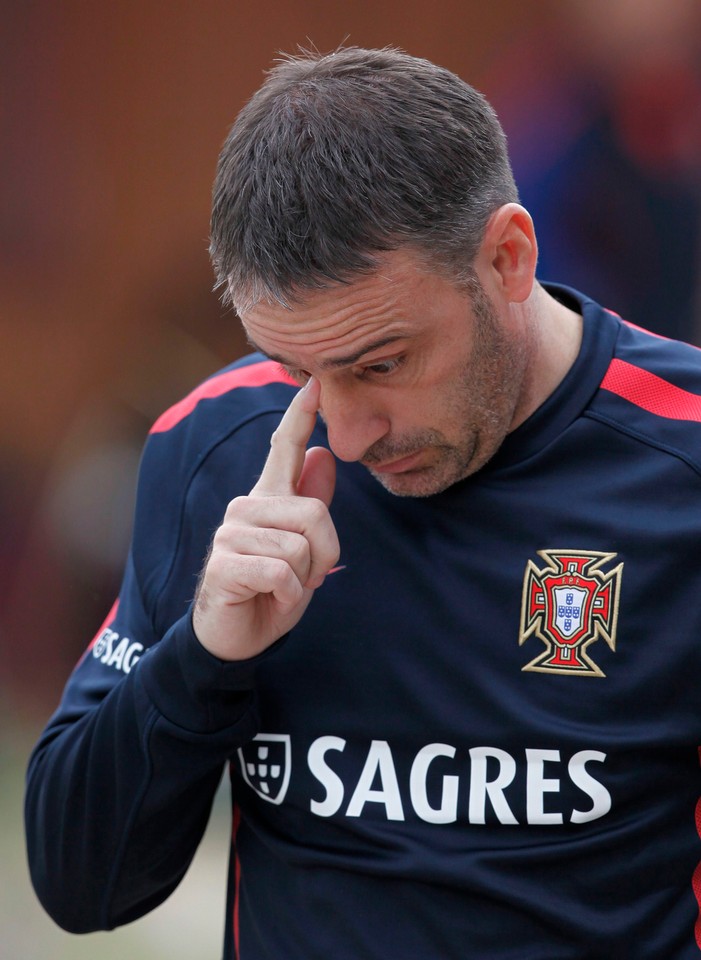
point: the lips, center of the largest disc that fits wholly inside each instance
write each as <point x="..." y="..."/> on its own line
<point x="402" y="465"/>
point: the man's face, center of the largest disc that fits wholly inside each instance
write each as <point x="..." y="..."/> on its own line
<point x="420" y="380"/>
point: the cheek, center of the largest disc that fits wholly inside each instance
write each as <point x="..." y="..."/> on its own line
<point x="447" y="367"/>
<point x="416" y="409"/>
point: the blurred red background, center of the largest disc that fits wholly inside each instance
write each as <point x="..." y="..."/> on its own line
<point x="111" y="119"/>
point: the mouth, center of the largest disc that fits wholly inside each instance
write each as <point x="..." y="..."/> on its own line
<point x="402" y="465"/>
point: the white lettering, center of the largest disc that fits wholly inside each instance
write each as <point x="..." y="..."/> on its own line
<point x="132" y="655"/>
<point x="326" y="776"/>
<point x="103" y="647"/>
<point x="117" y="656"/>
<point x="123" y="656"/>
<point x="447" y="812"/>
<point x="379" y="761"/>
<point x="434" y="794"/>
<point x="537" y="785"/>
<point x="601" y="798"/>
<point x="480" y="787"/>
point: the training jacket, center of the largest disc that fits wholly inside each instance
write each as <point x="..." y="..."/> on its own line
<point x="481" y="739"/>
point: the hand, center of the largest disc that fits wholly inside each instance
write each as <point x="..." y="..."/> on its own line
<point x="274" y="547"/>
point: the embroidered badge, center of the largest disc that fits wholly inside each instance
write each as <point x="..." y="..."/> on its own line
<point x="265" y="765"/>
<point x="568" y="605"/>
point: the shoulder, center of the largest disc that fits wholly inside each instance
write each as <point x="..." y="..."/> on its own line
<point x="200" y="453"/>
<point x="651" y="389"/>
<point x="239" y="400"/>
<point x="250" y="385"/>
<point x="237" y="407"/>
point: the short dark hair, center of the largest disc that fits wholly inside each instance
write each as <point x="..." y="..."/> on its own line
<point x="340" y="156"/>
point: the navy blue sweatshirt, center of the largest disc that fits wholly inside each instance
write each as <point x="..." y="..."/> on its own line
<point x="481" y="739"/>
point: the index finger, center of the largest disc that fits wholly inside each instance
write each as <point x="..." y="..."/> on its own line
<point x="288" y="444"/>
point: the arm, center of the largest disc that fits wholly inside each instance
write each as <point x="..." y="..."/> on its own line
<point x="120" y="785"/>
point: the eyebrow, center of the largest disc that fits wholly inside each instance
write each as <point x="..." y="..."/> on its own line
<point x="336" y="362"/>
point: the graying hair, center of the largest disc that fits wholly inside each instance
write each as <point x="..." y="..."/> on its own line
<point x="338" y="157"/>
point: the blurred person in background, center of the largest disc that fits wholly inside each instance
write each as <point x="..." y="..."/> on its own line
<point x="449" y="651"/>
<point x="602" y="102"/>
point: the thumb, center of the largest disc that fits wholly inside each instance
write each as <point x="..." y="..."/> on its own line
<point x="318" y="477"/>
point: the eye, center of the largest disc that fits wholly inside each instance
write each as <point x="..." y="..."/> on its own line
<point x="300" y="376"/>
<point x="382" y="369"/>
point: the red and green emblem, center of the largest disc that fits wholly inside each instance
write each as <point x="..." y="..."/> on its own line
<point x="569" y="604"/>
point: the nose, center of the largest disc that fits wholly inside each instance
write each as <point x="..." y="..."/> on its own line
<point x="353" y="421"/>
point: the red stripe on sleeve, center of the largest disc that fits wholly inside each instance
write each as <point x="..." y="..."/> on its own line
<point x="236" y="823"/>
<point x="254" y="375"/>
<point x="651" y="392"/>
<point x="106" y="622"/>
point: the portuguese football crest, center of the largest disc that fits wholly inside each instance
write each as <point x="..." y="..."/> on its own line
<point x="568" y="605"/>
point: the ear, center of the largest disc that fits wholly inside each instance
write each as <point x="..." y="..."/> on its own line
<point x="510" y="251"/>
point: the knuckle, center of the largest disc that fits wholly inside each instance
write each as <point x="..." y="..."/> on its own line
<point x="217" y="570"/>
<point x="277" y="569"/>
<point x="271" y="538"/>
<point x="298" y="550"/>
<point x="276" y="437"/>
<point x="222" y="541"/>
<point x="236" y="507"/>
<point x="279" y="573"/>
<point x="316" y="509"/>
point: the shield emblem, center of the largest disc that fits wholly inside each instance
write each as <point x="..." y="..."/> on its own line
<point x="265" y="764"/>
<point x="569" y="603"/>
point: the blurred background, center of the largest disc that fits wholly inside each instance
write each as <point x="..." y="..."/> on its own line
<point x="111" y="119"/>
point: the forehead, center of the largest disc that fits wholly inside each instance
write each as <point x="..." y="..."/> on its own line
<point x="398" y="299"/>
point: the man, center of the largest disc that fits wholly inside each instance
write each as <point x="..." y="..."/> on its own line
<point x="459" y="704"/>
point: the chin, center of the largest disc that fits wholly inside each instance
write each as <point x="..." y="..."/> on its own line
<point x="415" y="483"/>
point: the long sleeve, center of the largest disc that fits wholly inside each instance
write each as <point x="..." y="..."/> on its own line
<point x="120" y="786"/>
<point x="121" y="782"/>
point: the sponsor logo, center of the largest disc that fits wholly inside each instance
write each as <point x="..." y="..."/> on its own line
<point x="115" y="651"/>
<point x="266" y="765"/>
<point x="482" y="785"/>
<point x="568" y="605"/>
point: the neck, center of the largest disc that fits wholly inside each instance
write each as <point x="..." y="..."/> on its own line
<point x="557" y="337"/>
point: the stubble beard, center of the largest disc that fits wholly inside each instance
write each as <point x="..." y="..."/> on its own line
<point x="481" y="405"/>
